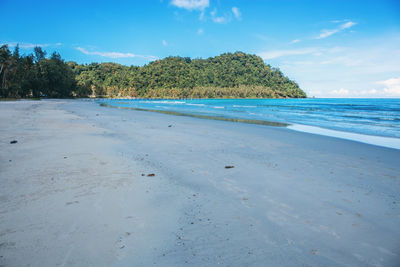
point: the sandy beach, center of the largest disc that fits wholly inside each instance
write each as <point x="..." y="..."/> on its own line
<point x="87" y="185"/>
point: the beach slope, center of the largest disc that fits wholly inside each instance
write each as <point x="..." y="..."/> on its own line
<point x="95" y="186"/>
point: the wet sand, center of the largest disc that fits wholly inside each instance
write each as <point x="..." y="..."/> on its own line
<point x="76" y="190"/>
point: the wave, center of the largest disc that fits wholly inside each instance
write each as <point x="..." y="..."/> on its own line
<point x="240" y="106"/>
<point x="190" y="104"/>
<point x="163" y="102"/>
<point x="372" y="117"/>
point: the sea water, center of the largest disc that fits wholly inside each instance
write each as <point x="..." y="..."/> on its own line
<point x="368" y="119"/>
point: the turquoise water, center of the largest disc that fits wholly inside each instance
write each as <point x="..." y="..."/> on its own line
<point x="378" y="117"/>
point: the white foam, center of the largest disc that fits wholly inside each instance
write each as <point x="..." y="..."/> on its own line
<point x="239" y="106"/>
<point x="165" y="102"/>
<point x="200" y="105"/>
<point x="390" y="142"/>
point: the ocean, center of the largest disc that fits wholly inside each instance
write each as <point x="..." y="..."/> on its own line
<point x="375" y="121"/>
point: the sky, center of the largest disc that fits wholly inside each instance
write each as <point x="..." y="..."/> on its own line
<point x="331" y="48"/>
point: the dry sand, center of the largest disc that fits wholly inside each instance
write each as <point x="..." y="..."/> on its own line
<point x="75" y="191"/>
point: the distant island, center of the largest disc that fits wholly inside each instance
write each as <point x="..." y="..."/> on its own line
<point x="230" y="75"/>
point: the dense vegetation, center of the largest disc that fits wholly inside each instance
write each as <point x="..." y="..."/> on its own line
<point x="236" y="75"/>
<point x="34" y="75"/>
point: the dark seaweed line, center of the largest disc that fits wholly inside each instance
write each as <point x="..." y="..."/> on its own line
<point x="261" y="122"/>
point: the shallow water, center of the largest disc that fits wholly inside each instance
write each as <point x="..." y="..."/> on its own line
<point x="380" y="117"/>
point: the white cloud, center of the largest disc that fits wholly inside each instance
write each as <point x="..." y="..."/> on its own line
<point x="219" y="19"/>
<point x="327" y="33"/>
<point x="191" y="4"/>
<point x="354" y="93"/>
<point x="200" y="31"/>
<point x="29" y="45"/>
<point x="363" y="67"/>
<point x="341" y="92"/>
<point x="26" y="45"/>
<point x="290" y="52"/>
<point x="370" y="93"/>
<point x="262" y="37"/>
<point x="106" y="54"/>
<point x="114" y="54"/>
<point x="236" y="13"/>
<point x="164" y="43"/>
<point x="295" y="41"/>
<point x="347" y="25"/>
<point x="392" y="86"/>
<point x="201" y="17"/>
<point x="212" y="13"/>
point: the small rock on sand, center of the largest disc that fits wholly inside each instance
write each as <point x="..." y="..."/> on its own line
<point x="151" y="174"/>
<point x="13" y="142"/>
<point x="229" y="167"/>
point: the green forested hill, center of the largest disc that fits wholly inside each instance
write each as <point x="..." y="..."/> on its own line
<point x="230" y="75"/>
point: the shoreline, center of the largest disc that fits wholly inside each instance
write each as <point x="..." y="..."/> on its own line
<point x="261" y="122"/>
<point x="78" y="189"/>
<point x="384" y="141"/>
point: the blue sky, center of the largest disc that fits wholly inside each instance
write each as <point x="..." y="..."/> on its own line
<point x="331" y="48"/>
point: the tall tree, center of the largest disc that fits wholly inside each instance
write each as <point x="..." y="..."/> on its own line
<point x="39" y="54"/>
<point x="5" y="63"/>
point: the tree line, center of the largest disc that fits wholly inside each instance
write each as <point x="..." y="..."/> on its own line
<point x="34" y="75"/>
<point x="230" y="75"/>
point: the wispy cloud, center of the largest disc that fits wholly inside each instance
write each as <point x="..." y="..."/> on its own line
<point x="373" y="92"/>
<point x="200" y="31"/>
<point x="295" y="41"/>
<point x="219" y="19"/>
<point x="202" y="13"/>
<point x="391" y="86"/>
<point x="289" y="52"/>
<point x="354" y="93"/>
<point x="236" y="12"/>
<point x="262" y="37"/>
<point x="326" y="33"/>
<point x="363" y="70"/>
<point x="340" y="92"/>
<point x="164" y="43"/>
<point x="191" y="4"/>
<point x="24" y="45"/>
<point x="114" y="54"/>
